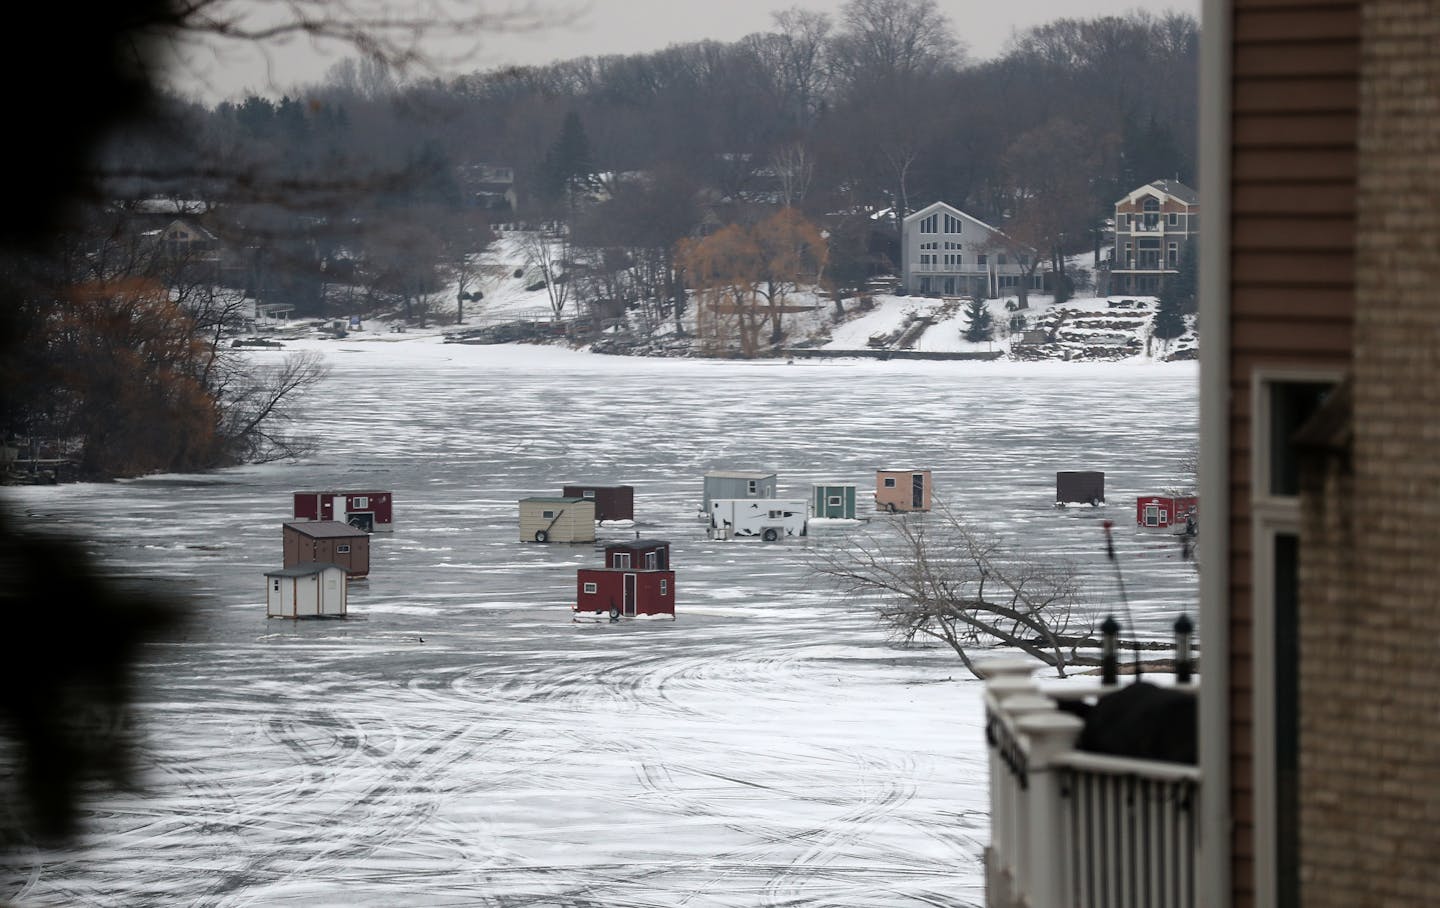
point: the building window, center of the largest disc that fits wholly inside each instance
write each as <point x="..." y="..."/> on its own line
<point x="1152" y="212"/>
<point x="342" y="549"/>
<point x="930" y="224"/>
<point x="591" y="588"/>
<point x="651" y="561"/>
<point x="752" y="487"/>
<point x="1124" y="220"/>
<point x="1000" y="258"/>
<point x="835" y="501"/>
<point x="588" y="493"/>
<point x="622" y="560"/>
<point x="547" y="515"/>
<point x="664" y="587"/>
<point x="889" y="482"/>
<point x="1172" y="254"/>
<point x="277" y="585"/>
<point x="1282" y="403"/>
<point x="360" y="501"/>
<point x="1172" y="219"/>
<point x="952" y="224"/>
<point x="982" y="259"/>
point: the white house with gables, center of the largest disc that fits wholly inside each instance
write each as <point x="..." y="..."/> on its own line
<point x="946" y="252"/>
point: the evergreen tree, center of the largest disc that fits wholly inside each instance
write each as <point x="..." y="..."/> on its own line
<point x="980" y="324"/>
<point x="567" y="166"/>
<point x="1169" y="321"/>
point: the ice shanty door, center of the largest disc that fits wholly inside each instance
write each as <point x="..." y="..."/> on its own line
<point x="917" y="490"/>
<point x="628" y="604"/>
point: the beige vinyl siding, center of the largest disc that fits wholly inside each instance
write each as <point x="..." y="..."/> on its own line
<point x="1294" y="116"/>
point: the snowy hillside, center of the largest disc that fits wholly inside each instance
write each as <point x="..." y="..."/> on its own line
<point x="515" y="305"/>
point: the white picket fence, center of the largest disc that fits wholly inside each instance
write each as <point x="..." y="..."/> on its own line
<point x="1070" y="829"/>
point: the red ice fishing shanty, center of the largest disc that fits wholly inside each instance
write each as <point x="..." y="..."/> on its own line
<point x="635" y="582"/>
<point x="370" y="511"/>
<point x="1165" y="511"/>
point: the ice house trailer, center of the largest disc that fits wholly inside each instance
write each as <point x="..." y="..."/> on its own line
<point x="562" y="519"/>
<point x="834" y="501"/>
<point x="611" y="502"/>
<point x="622" y="593"/>
<point x="902" y="490"/>
<point x="1165" y="511"/>
<point x="738" y="484"/>
<point x="327" y="542"/>
<point x="1079" y="487"/>
<point x="316" y="590"/>
<point x="367" y="510"/>
<point x="769" y="519"/>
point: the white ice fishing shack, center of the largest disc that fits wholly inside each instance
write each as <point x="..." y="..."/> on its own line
<point x="770" y="519"/>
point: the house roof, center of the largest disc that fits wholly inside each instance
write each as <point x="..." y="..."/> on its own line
<point x="946" y="206"/>
<point x="593" y="485"/>
<point x="1172" y="188"/>
<point x="554" y="499"/>
<point x="305" y="570"/>
<point x="894" y="470"/>
<point x="638" y="544"/>
<point x="324" y="529"/>
<point x="739" y="474"/>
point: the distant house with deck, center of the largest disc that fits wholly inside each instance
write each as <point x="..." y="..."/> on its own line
<point x="946" y="252"/>
<point x="1154" y="226"/>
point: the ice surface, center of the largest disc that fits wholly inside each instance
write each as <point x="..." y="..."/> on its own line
<point x="769" y="747"/>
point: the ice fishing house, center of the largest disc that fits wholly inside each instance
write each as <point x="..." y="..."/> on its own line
<point x="738" y="484"/>
<point x="635" y="581"/>
<point x="835" y="502"/>
<point x="560" y="519"/>
<point x="902" y="490"/>
<point x="1164" y="511"/>
<point x="327" y="542"/>
<point x="315" y="590"/>
<point x="611" y="502"/>
<point x="370" y="511"/>
<point x="1079" y="487"/>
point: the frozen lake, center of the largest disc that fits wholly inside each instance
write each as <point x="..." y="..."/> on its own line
<point x="769" y="747"/>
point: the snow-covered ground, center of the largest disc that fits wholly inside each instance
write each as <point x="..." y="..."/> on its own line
<point x="768" y="747"/>
<point x="1101" y="328"/>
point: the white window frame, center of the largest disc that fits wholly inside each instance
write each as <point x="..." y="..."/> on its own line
<point x="342" y="549"/>
<point x="664" y="587"/>
<point x="835" y="501"/>
<point x="547" y="515"/>
<point x="889" y="482"/>
<point x="622" y="560"/>
<point x="360" y="501"/>
<point x="752" y="487"/>
<point x="1271" y="516"/>
<point x="591" y="589"/>
<point x="1172" y="219"/>
<point x="588" y="493"/>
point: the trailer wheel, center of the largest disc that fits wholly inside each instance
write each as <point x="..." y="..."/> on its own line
<point x="770" y="535"/>
<point x="1095" y="502"/>
<point x="890" y="506"/>
<point x="542" y="536"/>
<point x="614" y="614"/>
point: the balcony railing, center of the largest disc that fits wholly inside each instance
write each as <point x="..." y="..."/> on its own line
<point x="1077" y="829"/>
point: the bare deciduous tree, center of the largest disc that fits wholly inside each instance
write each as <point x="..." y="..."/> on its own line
<point x="942" y="579"/>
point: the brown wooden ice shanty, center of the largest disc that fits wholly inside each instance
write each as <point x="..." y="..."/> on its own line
<point x="611" y="502"/>
<point x="327" y="541"/>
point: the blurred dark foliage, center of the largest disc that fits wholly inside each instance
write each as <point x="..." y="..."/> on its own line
<point x="72" y="635"/>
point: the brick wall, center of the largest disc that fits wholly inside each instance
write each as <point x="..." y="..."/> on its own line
<point x="1370" y="636"/>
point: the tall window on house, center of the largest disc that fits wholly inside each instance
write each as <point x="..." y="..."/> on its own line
<point x="952" y="224"/>
<point x="1151" y="210"/>
<point x="1282" y="404"/>
<point x="930" y="224"/>
<point x="1172" y="255"/>
<point x="1172" y="219"/>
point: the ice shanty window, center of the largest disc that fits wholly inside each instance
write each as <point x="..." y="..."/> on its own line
<point x="277" y="584"/>
<point x="752" y="486"/>
<point x="591" y="588"/>
<point x="342" y="549"/>
<point x="547" y="515"/>
<point x="835" y="501"/>
<point x="588" y="493"/>
<point x="889" y="482"/>
<point x="664" y="586"/>
<point x="360" y="501"/>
